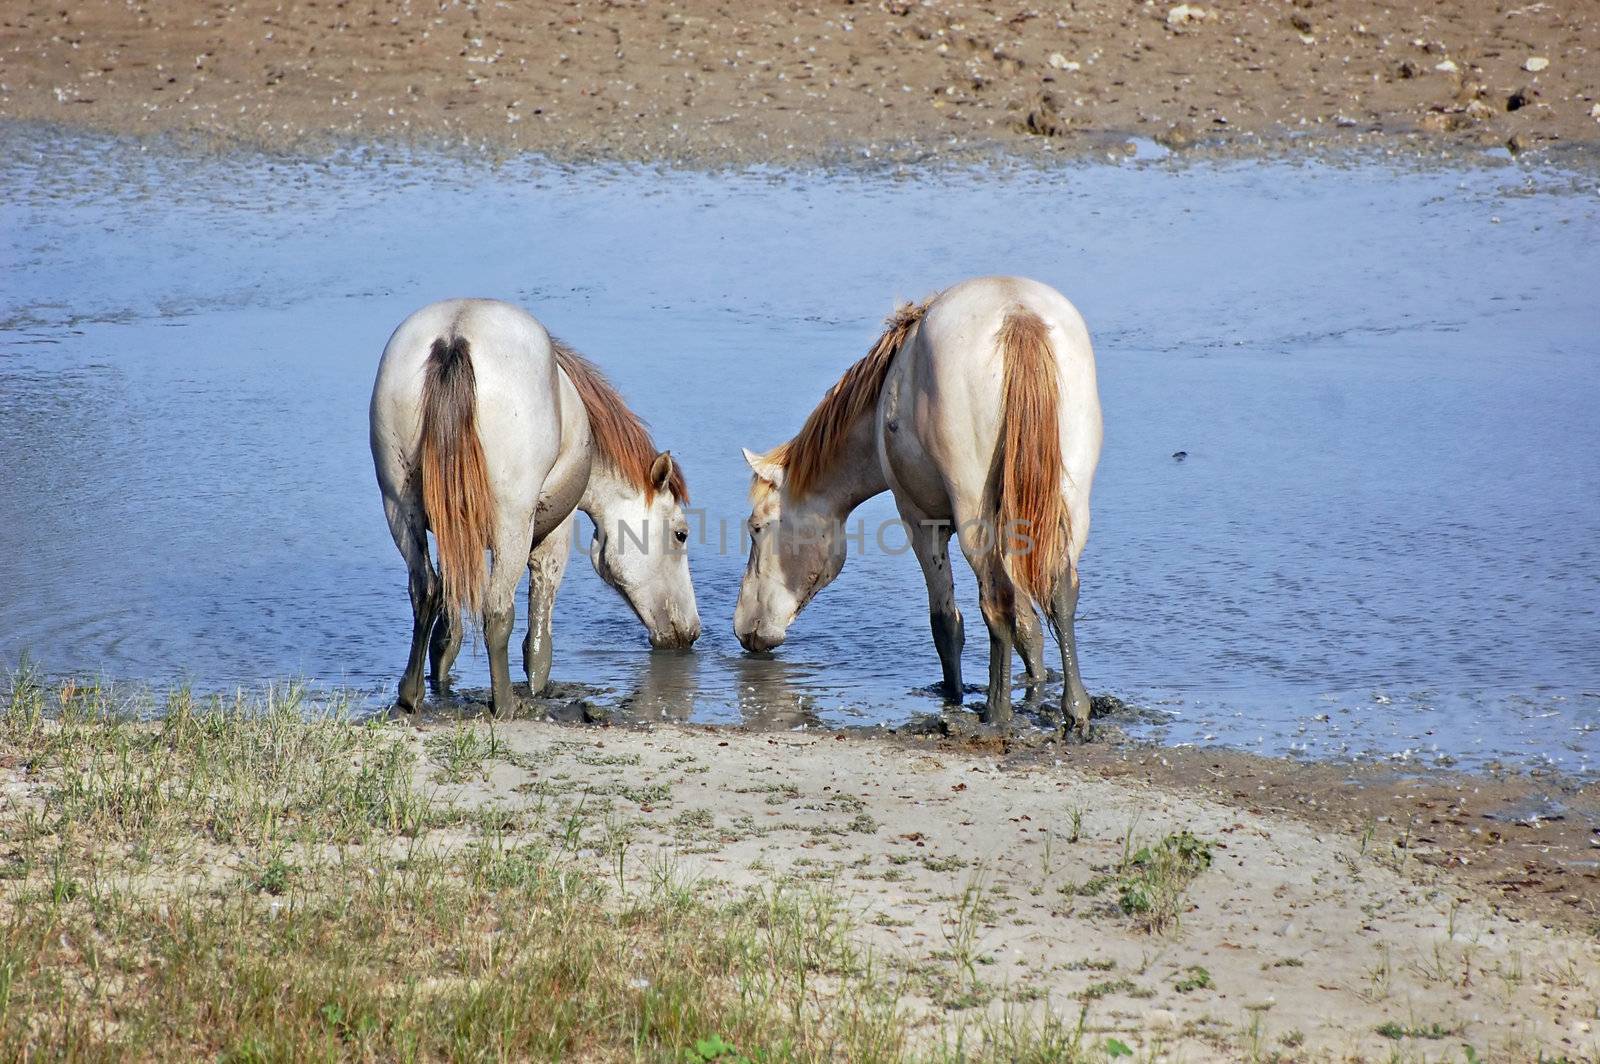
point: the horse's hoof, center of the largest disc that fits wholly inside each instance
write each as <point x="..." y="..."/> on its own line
<point x="1000" y="720"/>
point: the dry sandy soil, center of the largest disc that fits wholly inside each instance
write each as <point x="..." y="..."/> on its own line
<point x="784" y="82"/>
<point x="976" y="876"/>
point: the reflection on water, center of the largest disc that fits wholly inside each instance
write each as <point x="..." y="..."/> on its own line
<point x="1385" y="540"/>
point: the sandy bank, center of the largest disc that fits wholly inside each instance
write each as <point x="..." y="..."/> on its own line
<point x="795" y="82"/>
<point x="997" y="883"/>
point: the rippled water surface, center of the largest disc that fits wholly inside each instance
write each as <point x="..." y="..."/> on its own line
<point x="1385" y="540"/>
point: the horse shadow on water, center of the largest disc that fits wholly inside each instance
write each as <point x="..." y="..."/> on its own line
<point x="771" y="697"/>
<point x="767" y="698"/>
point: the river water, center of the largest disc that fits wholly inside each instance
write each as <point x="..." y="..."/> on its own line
<point x="1384" y="541"/>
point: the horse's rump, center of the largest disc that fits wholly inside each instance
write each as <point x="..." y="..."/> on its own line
<point x="455" y="479"/>
<point x="1025" y="497"/>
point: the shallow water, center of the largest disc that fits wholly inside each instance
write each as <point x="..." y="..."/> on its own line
<point x="1384" y="542"/>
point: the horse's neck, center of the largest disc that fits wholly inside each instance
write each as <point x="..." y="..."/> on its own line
<point x="855" y="475"/>
<point x="605" y="486"/>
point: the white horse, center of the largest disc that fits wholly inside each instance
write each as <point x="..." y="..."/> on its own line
<point x="978" y="409"/>
<point x="490" y="433"/>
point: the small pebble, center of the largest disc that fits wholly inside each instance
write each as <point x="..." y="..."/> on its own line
<point x="1184" y="14"/>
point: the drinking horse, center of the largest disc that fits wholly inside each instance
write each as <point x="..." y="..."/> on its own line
<point x="491" y="434"/>
<point x="978" y="410"/>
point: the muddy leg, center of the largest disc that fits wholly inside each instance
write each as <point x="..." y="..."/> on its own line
<point x="511" y="541"/>
<point x="1063" y="613"/>
<point x="931" y="541"/>
<point x="497" y="622"/>
<point x="1029" y="637"/>
<point x="546" y="565"/>
<point x="997" y="615"/>
<point x="443" y="648"/>
<point x="410" y="533"/>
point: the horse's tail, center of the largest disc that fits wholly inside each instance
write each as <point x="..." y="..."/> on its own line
<point x="455" y="478"/>
<point x="1029" y="509"/>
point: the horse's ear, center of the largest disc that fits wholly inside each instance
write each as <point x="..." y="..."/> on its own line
<point x="765" y="468"/>
<point x="661" y="471"/>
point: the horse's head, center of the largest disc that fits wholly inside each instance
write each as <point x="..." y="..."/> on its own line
<point x="641" y="549"/>
<point x="796" y="549"/>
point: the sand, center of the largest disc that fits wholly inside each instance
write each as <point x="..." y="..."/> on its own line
<point x="774" y="82"/>
<point x="973" y="875"/>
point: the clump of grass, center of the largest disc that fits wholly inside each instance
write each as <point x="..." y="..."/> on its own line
<point x="1103" y="964"/>
<point x="863" y="822"/>
<point x="1090" y="887"/>
<point x="1155" y="878"/>
<point x="1196" y="978"/>
<point x="462" y="752"/>
<point x="946" y="863"/>
<point x="1095" y="991"/>
<point x="1397" y="1031"/>
<point x="274" y="877"/>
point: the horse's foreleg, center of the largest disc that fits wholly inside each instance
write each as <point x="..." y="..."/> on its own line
<point x="1028" y="635"/>
<point x="443" y="648"/>
<point x="1063" y="617"/>
<point x="931" y="542"/>
<point x="547" y="563"/>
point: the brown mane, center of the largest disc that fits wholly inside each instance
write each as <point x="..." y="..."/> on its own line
<point x="815" y="447"/>
<point x="623" y="441"/>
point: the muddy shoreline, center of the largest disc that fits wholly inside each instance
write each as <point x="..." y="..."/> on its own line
<point x="795" y="84"/>
<point x="1527" y="842"/>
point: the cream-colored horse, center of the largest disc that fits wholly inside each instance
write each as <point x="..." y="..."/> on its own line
<point x="978" y="409"/>
<point x="491" y="434"/>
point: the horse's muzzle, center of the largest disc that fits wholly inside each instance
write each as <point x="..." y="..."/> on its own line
<point x="758" y="642"/>
<point x="677" y="637"/>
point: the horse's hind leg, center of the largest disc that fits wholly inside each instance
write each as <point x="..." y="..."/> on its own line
<point x="500" y="609"/>
<point x="1063" y="618"/>
<point x="410" y="533"/>
<point x="931" y="542"/>
<point x="997" y="598"/>
<point x="994" y="594"/>
<point x="547" y="563"/>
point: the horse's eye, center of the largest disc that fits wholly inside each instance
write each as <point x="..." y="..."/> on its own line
<point x="681" y="535"/>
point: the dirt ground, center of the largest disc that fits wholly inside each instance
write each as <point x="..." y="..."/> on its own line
<point x="992" y="882"/>
<point x="1529" y="844"/>
<point x="786" y="82"/>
